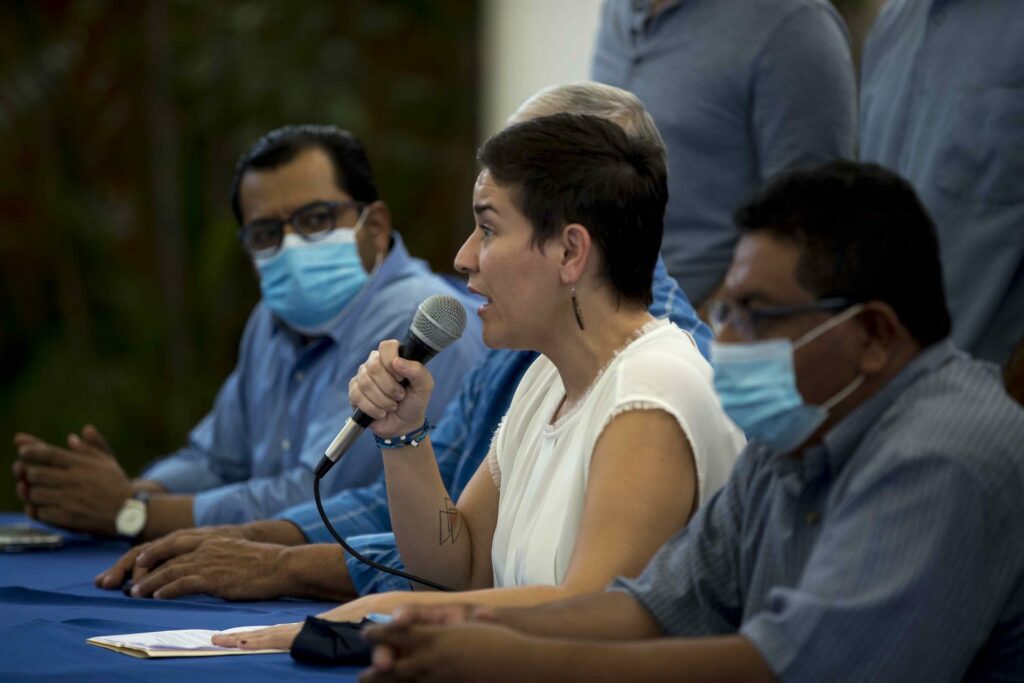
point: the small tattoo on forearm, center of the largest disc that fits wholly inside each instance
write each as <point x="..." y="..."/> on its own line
<point x="449" y="523"/>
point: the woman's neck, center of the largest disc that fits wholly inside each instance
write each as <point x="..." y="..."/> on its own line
<point x="579" y="355"/>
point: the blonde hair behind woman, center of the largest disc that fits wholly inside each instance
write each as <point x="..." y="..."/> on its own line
<point x="619" y="106"/>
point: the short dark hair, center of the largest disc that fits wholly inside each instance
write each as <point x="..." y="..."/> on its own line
<point x="863" y="235"/>
<point x="573" y="168"/>
<point x="352" y="172"/>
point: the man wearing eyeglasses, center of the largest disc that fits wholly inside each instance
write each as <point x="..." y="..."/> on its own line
<point x="871" y="531"/>
<point x="335" y="279"/>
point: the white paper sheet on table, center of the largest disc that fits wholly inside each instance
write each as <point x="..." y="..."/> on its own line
<point x="181" y="643"/>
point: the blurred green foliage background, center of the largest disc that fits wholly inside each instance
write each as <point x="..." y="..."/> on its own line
<point x="123" y="290"/>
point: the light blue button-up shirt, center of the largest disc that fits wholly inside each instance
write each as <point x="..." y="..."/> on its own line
<point x="892" y="551"/>
<point x="253" y="455"/>
<point x="460" y="442"/>
<point x="740" y="90"/>
<point x="942" y="104"/>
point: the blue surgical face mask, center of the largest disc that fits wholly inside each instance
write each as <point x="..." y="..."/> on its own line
<point x="308" y="284"/>
<point x="756" y="383"/>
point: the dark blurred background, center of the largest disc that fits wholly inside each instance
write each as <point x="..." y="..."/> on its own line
<point x="123" y="290"/>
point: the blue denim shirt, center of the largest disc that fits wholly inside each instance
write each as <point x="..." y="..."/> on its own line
<point x="253" y="455"/>
<point x="460" y="442"/>
<point x="739" y="91"/>
<point x="942" y="104"/>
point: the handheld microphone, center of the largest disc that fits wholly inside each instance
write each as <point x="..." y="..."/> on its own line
<point x="439" y="321"/>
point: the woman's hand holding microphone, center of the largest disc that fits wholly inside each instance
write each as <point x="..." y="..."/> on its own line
<point x="377" y="390"/>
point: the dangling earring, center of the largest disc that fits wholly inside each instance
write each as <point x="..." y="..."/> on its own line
<point x="576" y="307"/>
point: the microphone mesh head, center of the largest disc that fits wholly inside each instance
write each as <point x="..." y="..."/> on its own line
<point x="439" y="321"/>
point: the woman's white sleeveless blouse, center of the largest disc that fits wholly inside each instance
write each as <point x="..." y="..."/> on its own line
<point x="541" y="469"/>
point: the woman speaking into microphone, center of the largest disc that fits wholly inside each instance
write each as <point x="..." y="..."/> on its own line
<point x="614" y="435"/>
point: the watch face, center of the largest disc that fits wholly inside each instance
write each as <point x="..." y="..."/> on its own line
<point x="131" y="520"/>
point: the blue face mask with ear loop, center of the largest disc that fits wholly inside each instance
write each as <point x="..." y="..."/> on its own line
<point x="308" y="284"/>
<point x="756" y="383"/>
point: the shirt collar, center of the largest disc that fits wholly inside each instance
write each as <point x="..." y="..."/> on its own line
<point x="644" y="7"/>
<point x="641" y="12"/>
<point x="843" y="438"/>
<point x="839" y="442"/>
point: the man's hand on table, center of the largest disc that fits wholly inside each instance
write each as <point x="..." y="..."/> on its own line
<point x="467" y="651"/>
<point x="228" y="568"/>
<point x="233" y="562"/>
<point x="81" y="487"/>
<point x="137" y="562"/>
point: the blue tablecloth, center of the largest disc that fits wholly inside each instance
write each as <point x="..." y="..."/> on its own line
<point x="49" y="606"/>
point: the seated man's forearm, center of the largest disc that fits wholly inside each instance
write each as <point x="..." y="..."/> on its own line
<point x="147" y="485"/>
<point x="316" y="572"/>
<point x="278" y="531"/>
<point x="721" y="659"/>
<point x="166" y="514"/>
<point x="609" y="615"/>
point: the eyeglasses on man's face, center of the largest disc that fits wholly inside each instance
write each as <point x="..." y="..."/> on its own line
<point x="312" y="222"/>
<point x="747" y="322"/>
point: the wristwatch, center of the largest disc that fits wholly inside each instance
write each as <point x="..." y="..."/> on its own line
<point x="132" y="517"/>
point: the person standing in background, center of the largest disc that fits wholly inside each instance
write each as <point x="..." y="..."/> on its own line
<point x="942" y="104"/>
<point x="739" y="91"/>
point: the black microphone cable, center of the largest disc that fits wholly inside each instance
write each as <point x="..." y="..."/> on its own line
<point x="362" y="558"/>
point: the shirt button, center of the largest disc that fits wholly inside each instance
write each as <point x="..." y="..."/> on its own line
<point x="299" y="375"/>
<point x="939" y="18"/>
<point x="637" y="61"/>
<point x="813" y="518"/>
<point x="286" y="444"/>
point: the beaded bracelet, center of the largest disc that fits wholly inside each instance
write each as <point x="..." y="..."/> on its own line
<point x="413" y="438"/>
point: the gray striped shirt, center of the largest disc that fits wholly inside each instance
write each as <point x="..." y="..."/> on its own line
<point x="893" y="551"/>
